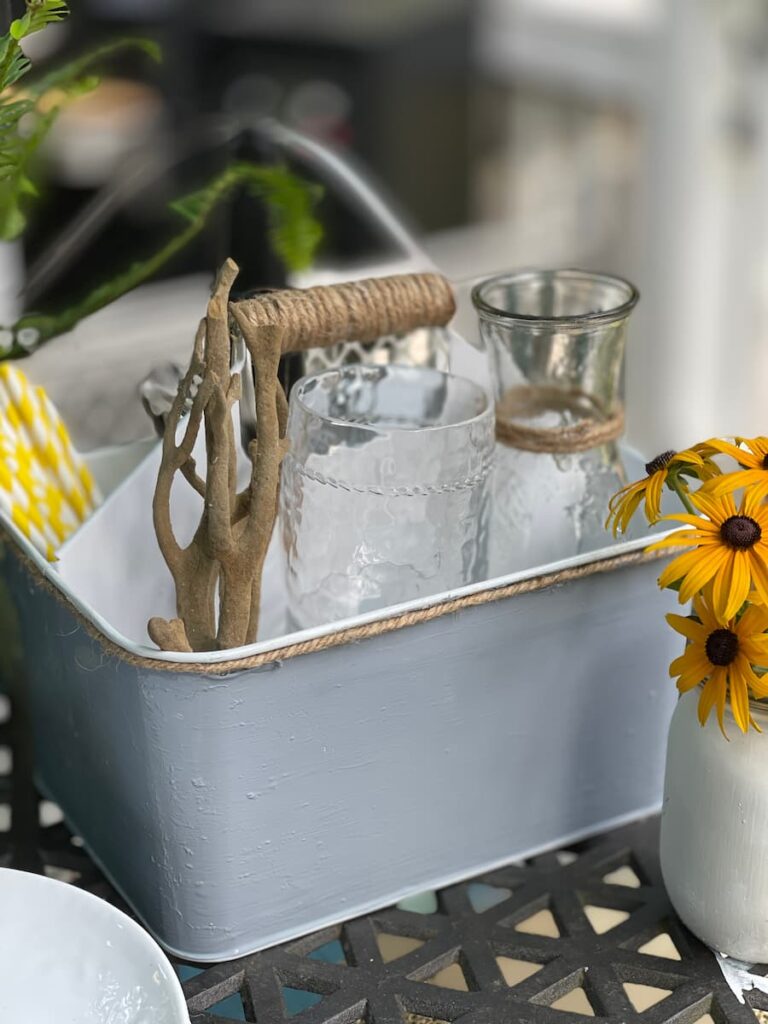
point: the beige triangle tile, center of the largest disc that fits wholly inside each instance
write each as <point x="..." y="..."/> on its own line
<point x="575" y="1001"/>
<point x="643" y="997"/>
<point x="624" y="875"/>
<point x="392" y="947"/>
<point x="449" y="977"/>
<point x="603" y="919"/>
<point x="540" y="923"/>
<point x="661" y="945"/>
<point x="566" y="857"/>
<point x="516" y="971"/>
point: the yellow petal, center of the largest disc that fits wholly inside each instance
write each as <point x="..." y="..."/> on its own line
<point x="703" y="567"/>
<point x="688" y="680"/>
<point x="721" y="692"/>
<point x="707" y="700"/>
<point x="706" y="616"/>
<point x="752" y="501"/>
<point x="756" y="651"/>
<point x="653" y="496"/>
<point x="739" y="700"/>
<point x="682" y="538"/>
<point x="759" y="574"/>
<point x="731" y="584"/>
<point x="737" y="454"/>
<point x="628" y="510"/>
<point x="754" y="620"/>
<point x="696" y="521"/>
<point x="716" y="509"/>
<point x="689" y="628"/>
<point x="693" y="662"/>
<point x="688" y="457"/>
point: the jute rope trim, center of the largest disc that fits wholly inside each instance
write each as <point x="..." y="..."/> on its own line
<point x="357" y="311"/>
<point x="352" y="634"/>
<point x="576" y="437"/>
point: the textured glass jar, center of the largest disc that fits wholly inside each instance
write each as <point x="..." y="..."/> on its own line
<point x="385" y="491"/>
<point x="555" y="340"/>
<point x="714" y="829"/>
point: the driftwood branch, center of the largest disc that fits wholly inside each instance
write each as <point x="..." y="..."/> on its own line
<point x="231" y="541"/>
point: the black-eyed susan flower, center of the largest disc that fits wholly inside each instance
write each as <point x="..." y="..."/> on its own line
<point x="721" y="655"/>
<point x="729" y="552"/>
<point x="754" y="467"/>
<point x="665" y="467"/>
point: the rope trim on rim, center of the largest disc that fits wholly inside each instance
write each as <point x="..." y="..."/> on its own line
<point x="351" y="634"/>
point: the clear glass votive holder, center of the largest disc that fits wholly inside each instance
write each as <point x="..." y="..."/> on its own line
<point x="555" y="341"/>
<point x="385" y="490"/>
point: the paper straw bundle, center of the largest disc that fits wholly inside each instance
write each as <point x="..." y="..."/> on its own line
<point x="46" y="489"/>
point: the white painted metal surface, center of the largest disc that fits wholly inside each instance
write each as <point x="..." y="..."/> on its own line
<point x="238" y="810"/>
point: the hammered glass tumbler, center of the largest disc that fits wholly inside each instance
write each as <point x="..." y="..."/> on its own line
<point x="385" y="491"/>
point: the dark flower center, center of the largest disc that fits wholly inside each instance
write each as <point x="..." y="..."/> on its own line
<point x="722" y="646"/>
<point x="740" y="532"/>
<point x="765" y="462"/>
<point x="658" y="463"/>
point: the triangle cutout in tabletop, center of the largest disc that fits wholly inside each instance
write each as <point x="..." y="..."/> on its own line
<point x="230" y="1008"/>
<point x="566" y="857"/>
<point x="576" y="1001"/>
<point x="483" y="896"/>
<point x="643" y="997"/>
<point x="329" y="953"/>
<point x="297" y="999"/>
<point x="604" y="919"/>
<point x="451" y="977"/>
<point x="540" y="923"/>
<point x="422" y="903"/>
<point x="516" y="971"/>
<point x="661" y="945"/>
<point x="625" y="875"/>
<point x="392" y="947"/>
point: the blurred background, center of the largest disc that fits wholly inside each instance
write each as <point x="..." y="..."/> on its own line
<point x="629" y="136"/>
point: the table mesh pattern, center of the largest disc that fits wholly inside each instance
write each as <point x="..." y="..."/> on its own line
<point x="583" y="933"/>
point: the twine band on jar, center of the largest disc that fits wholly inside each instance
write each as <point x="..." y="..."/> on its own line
<point x="579" y="436"/>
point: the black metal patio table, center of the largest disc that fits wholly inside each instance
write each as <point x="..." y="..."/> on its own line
<point x="582" y="933"/>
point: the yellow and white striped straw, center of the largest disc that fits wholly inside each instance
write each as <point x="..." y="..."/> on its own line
<point x="46" y="488"/>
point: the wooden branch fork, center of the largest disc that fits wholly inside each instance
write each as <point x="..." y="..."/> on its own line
<point x="225" y="557"/>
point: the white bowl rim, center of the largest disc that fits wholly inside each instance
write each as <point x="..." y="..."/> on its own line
<point x="33" y="880"/>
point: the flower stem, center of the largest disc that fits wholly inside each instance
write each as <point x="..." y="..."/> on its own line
<point x="675" y="485"/>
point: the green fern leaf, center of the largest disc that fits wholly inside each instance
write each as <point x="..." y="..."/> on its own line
<point x="61" y="78"/>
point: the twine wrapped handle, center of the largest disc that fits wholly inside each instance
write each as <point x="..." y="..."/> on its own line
<point x="356" y="311"/>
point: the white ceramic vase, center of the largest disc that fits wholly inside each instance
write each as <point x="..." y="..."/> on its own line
<point x="714" y="830"/>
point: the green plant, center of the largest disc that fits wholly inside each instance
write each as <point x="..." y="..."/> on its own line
<point x="294" y="235"/>
<point x="26" y="117"/>
<point x="27" y="114"/>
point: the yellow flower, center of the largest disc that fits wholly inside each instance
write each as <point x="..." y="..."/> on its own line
<point x="721" y="655"/>
<point x="754" y="467"/>
<point x="729" y="552"/>
<point x="623" y="505"/>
